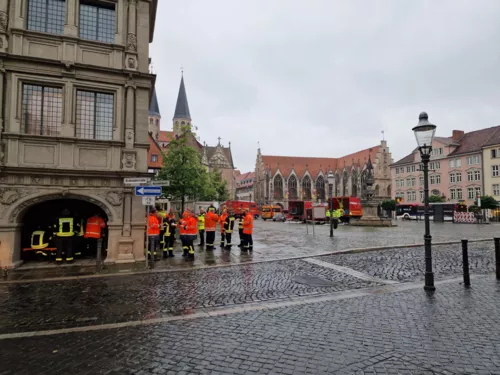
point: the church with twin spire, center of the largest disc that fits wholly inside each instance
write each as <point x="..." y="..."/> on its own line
<point x="217" y="157"/>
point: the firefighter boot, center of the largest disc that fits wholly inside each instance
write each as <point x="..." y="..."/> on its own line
<point x="171" y="254"/>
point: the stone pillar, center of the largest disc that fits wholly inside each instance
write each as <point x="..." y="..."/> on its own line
<point x="127" y="214"/>
<point x="131" y="62"/>
<point x="4" y="25"/>
<point x="10" y="246"/>
<point x="129" y="155"/>
<point x="70" y="27"/>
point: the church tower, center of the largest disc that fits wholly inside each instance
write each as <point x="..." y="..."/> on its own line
<point x="154" y="117"/>
<point x="182" y="117"/>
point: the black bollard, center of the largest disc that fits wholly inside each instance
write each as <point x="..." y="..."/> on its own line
<point x="465" y="260"/>
<point x="497" y="256"/>
<point x="99" y="255"/>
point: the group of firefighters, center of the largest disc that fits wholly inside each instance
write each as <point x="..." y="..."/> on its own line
<point x="335" y="215"/>
<point x="162" y="226"/>
<point x="69" y="236"/>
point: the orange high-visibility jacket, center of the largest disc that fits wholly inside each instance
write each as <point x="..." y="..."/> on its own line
<point x="192" y="226"/>
<point x="210" y="221"/>
<point x="153" y="225"/>
<point x="183" y="223"/>
<point x="222" y="220"/>
<point x="94" y="226"/>
<point x="248" y="224"/>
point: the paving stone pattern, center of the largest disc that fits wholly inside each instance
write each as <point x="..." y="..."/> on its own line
<point x="454" y="331"/>
<point x="408" y="264"/>
<point x="81" y="302"/>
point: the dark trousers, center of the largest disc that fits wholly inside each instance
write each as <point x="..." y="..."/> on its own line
<point x="242" y="237"/>
<point x="168" y="243"/>
<point x="91" y="246"/>
<point x="210" y="239"/>
<point x="64" y="245"/>
<point x="222" y="239"/>
<point x="154" y="242"/>
<point x="248" y="244"/>
<point x="202" y="237"/>
<point x="228" y="240"/>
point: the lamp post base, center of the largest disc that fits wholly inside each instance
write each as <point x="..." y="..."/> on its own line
<point x="429" y="282"/>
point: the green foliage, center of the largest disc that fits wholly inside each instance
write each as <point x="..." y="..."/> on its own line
<point x="487" y="202"/>
<point x="389" y="205"/>
<point x="436" y="199"/>
<point x="182" y="167"/>
<point x="215" y="187"/>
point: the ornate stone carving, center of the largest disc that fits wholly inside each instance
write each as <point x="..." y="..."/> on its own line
<point x="4" y="20"/>
<point x="131" y="42"/>
<point x="131" y="63"/>
<point x="116" y="199"/>
<point x="7" y="196"/>
<point x="128" y="161"/>
<point x="132" y="2"/>
<point x="129" y="137"/>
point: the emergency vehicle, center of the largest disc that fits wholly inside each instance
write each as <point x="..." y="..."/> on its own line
<point x="238" y="206"/>
<point x="297" y="210"/>
<point x="268" y="211"/>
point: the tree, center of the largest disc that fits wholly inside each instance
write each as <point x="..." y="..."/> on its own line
<point x="389" y="205"/>
<point x="182" y="167"/>
<point x="436" y="199"/>
<point x="487" y="202"/>
<point x="215" y="187"/>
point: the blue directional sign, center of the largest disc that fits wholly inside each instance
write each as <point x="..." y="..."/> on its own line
<point x="148" y="191"/>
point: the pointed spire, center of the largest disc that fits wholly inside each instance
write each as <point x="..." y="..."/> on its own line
<point x="369" y="166"/>
<point x="182" y="107"/>
<point x="154" y="108"/>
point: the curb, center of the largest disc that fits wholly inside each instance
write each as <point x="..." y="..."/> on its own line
<point x="142" y="272"/>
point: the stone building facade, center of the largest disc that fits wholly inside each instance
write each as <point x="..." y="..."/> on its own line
<point x="279" y="179"/>
<point x="217" y="157"/>
<point x="74" y="112"/>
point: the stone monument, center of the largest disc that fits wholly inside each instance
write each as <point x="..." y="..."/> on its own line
<point x="370" y="205"/>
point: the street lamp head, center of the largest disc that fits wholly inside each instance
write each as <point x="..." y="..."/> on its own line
<point x="424" y="133"/>
<point x="330" y="178"/>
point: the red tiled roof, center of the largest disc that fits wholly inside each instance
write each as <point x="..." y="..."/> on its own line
<point x="154" y="149"/>
<point x="243" y="177"/>
<point x="314" y="165"/>
<point x="474" y="141"/>
<point x="165" y="136"/>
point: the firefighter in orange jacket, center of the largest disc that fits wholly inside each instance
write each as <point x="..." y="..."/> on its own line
<point x="191" y="233"/>
<point x="93" y="232"/>
<point x="153" y="233"/>
<point x="247" y="231"/>
<point x="222" y="220"/>
<point x="182" y="225"/>
<point x="210" y="225"/>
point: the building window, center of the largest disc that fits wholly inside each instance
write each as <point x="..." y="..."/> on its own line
<point x="478" y="191"/>
<point x="97" y="22"/>
<point x="452" y="178"/>
<point x="474" y="159"/>
<point x="434" y="165"/>
<point x="470" y="176"/>
<point x="459" y="194"/>
<point x="421" y="196"/>
<point x="408" y="169"/>
<point x="151" y="121"/>
<point x="47" y="16"/>
<point x="496" y="189"/>
<point x="493" y="154"/>
<point x="453" y="194"/>
<point x="470" y="193"/>
<point x="435" y="180"/>
<point x="459" y="177"/>
<point x="157" y="122"/>
<point x="42" y="110"/>
<point x="397" y="170"/>
<point x="413" y="168"/>
<point x="477" y="175"/>
<point x="154" y="158"/>
<point x="455" y="163"/>
<point x="421" y="180"/>
<point x="437" y="151"/>
<point x="412" y="196"/>
<point x="495" y="170"/>
<point x="94" y="115"/>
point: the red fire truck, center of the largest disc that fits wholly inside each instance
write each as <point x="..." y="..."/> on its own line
<point x="297" y="210"/>
<point x="238" y="206"/>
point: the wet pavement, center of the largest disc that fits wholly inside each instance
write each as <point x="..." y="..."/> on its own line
<point x="277" y="241"/>
<point x="81" y="302"/>
<point x="453" y="331"/>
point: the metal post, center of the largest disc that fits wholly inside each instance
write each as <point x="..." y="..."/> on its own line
<point x="497" y="256"/>
<point x="429" y="275"/>
<point x="99" y="255"/>
<point x="147" y="236"/>
<point x="331" y="212"/>
<point x="465" y="262"/>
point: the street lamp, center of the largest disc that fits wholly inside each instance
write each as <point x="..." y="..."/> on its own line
<point x="331" y="181"/>
<point x="424" y="133"/>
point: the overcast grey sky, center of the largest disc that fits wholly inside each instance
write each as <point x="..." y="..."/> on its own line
<point x="325" y="77"/>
